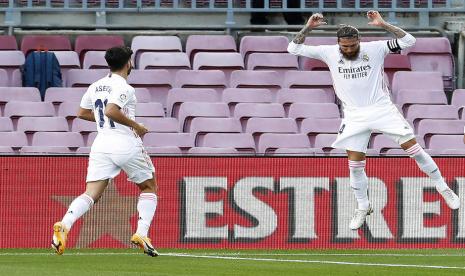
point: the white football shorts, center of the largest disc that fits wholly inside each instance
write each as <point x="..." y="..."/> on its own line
<point x="358" y="124"/>
<point x="137" y="165"/>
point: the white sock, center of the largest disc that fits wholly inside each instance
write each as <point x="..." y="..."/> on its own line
<point x="146" y="207"/>
<point x="427" y="165"/>
<point x="359" y="183"/>
<point x="78" y="207"/>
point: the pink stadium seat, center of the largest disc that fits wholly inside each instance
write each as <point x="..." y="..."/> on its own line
<point x="209" y="43"/>
<point x="313" y="126"/>
<point x="394" y="63"/>
<point x="269" y="142"/>
<point x="45" y="42"/>
<point x="417" y="112"/>
<point x="168" y="150"/>
<point x="6" y="124"/>
<point x="16" y="78"/>
<point x="181" y="140"/>
<point x="258" y="126"/>
<point x="13" y="139"/>
<point x="409" y="96"/>
<point x="84" y="77"/>
<point x="262" y="44"/>
<point x="287" y="96"/>
<point x="64" y="94"/>
<point x="244" y="111"/>
<point x="279" y="62"/>
<point x="8" y="42"/>
<point x="34" y="124"/>
<point x="143" y="95"/>
<point x="256" y="79"/>
<point x="200" y="126"/>
<point x="6" y="149"/>
<point x="189" y="110"/>
<point x="433" y="54"/>
<point x="177" y="96"/>
<point x="232" y="96"/>
<point x="4" y="80"/>
<point x="83" y="126"/>
<point x="383" y="143"/>
<point x="309" y="79"/>
<point x="83" y="150"/>
<point x="158" y="82"/>
<point x="67" y="60"/>
<point x="312" y="64"/>
<point x="428" y="127"/>
<point x="94" y="60"/>
<point x="58" y="139"/>
<point x="29" y="109"/>
<point x="11" y="61"/>
<point x="173" y="62"/>
<point x="206" y="151"/>
<point x="323" y="141"/>
<point x="294" y="152"/>
<point x="86" y="43"/>
<point x="150" y="110"/>
<point x="458" y="100"/>
<point x="90" y="138"/>
<point x="446" y="142"/>
<point x="27" y="94"/>
<point x="159" y="124"/>
<point x="68" y="110"/>
<point x="200" y="79"/>
<point x="45" y="150"/>
<point x="226" y="62"/>
<point x="143" y="44"/>
<point x="301" y="111"/>
<point x="417" y="81"/>
<point x="243" y="142"/>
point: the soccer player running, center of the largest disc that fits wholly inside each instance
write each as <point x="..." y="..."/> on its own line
<point x="358" y="78"/>
<point x="111" y="103"/>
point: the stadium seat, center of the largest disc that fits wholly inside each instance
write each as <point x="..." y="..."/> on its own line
<point x="29" y="109"/>
<point x="4" y="80"/>
<point x="180" y="140"/>
<point x="64" y="94"/>
<point x="150" y="110"/>
<point x="200" y="126"/>
<point x="58" y="139"/>
<point x="200" y="79"/>
<point x="45" y="42"/>
<point x="168" y="150"/>
<point x="6" y="124"/>
<point x="262" y="44"/>
<point x="68" y="110"/>
<point x="433" y="54"/>
<point x="416" y="112"/>
<point x="4" y="149"/>
<point x="67" y="60"/>
<point x="8" y="42"/>
<point x="189" y="110"/>
<point x="95" y="60"/>
<point x="26" y="94"/>
<point x="269" y="142"/>
<point x="86" y="43"/>
<point x="243" y="142"/>
<point x="258" y="126"/>
<point x="13" y="139"/>
<point x="225" y="62"/>
<point x="35" y="124"/>
<point x="312" y="64"/>
<point x="143" y="44"/>
<point x="177" y="96"/>
<point x="45" y="150"/>
<point x="11" y="61"/>
<point x="301" y="111"/>
<point x="83" y="126"/>
<point x="279" y="62"/>
<point x="314" y="126"/>
<point x="158" y="124"/>
<point x="443" y="143"/>
<point x="288" y="96"/>
<point x="157" y="82"/>
<point x="173" y="62"/>
<point x="83" y="150"/>
<point x="258" y="110"/>
<point x="407" y="97"/>
<point x="382" y="143"/>
<point x="323" y="141"/>
<point x="84" y="77"/>
<point x="428" y="127"/>
<point x="256" y="79"/>
<point x="458" y="100"/>
<point x="394" y="63"/>
<point x="416" y="81"/>
<point x="206" y="151"/>
<point x="209" y="43"/>
<point x="309" y="79"/>
<point x="233" y="96"/>
<point x="294" y="152"/>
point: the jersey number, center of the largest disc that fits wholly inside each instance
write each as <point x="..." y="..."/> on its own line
<point x="100" y="106"/>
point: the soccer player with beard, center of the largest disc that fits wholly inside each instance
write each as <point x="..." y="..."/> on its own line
<point x="357" y="70"/>
<point x="111" y="103"/>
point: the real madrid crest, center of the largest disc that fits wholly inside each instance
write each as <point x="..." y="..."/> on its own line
<point x="122" y="97"/>
<point x="365" y="58"/>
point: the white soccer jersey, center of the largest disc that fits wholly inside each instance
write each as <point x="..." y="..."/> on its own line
<point x="112" y="137"/>
<point x="359" y="82"/>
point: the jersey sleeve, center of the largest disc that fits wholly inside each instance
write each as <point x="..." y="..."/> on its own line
<point x="397" y="44"/>
<point x="120" y="97"/>
<point x="86" y="101"/>
<point x="317" y="52"/>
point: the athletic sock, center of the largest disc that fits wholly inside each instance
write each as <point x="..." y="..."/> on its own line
<point x="146" y="207"/>
<point x="359" y="183"/>
<point x="78" y="207"/>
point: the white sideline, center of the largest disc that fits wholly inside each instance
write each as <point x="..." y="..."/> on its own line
<point x="205" y="256"/>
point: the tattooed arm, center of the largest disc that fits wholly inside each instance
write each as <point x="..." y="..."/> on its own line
<point x="296" y="46"/>
<point x="404" y="39"/>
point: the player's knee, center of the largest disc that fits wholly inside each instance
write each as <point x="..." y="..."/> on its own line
<point x="148" y="186"/>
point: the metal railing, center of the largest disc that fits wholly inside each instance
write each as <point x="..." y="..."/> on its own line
<point x="423" y="8"/>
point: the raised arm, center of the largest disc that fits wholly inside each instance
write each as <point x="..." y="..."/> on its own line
<point x="404" y="39"/>
<point x="296" y="46"/>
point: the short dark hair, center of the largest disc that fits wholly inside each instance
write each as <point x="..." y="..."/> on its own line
<point x="117" y="57"/>
<point x="347" y="31"/>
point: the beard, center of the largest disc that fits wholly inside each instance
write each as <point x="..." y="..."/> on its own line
<point x="351" y="56"/>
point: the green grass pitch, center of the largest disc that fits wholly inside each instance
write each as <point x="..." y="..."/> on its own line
<point x="232" y="262"/>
